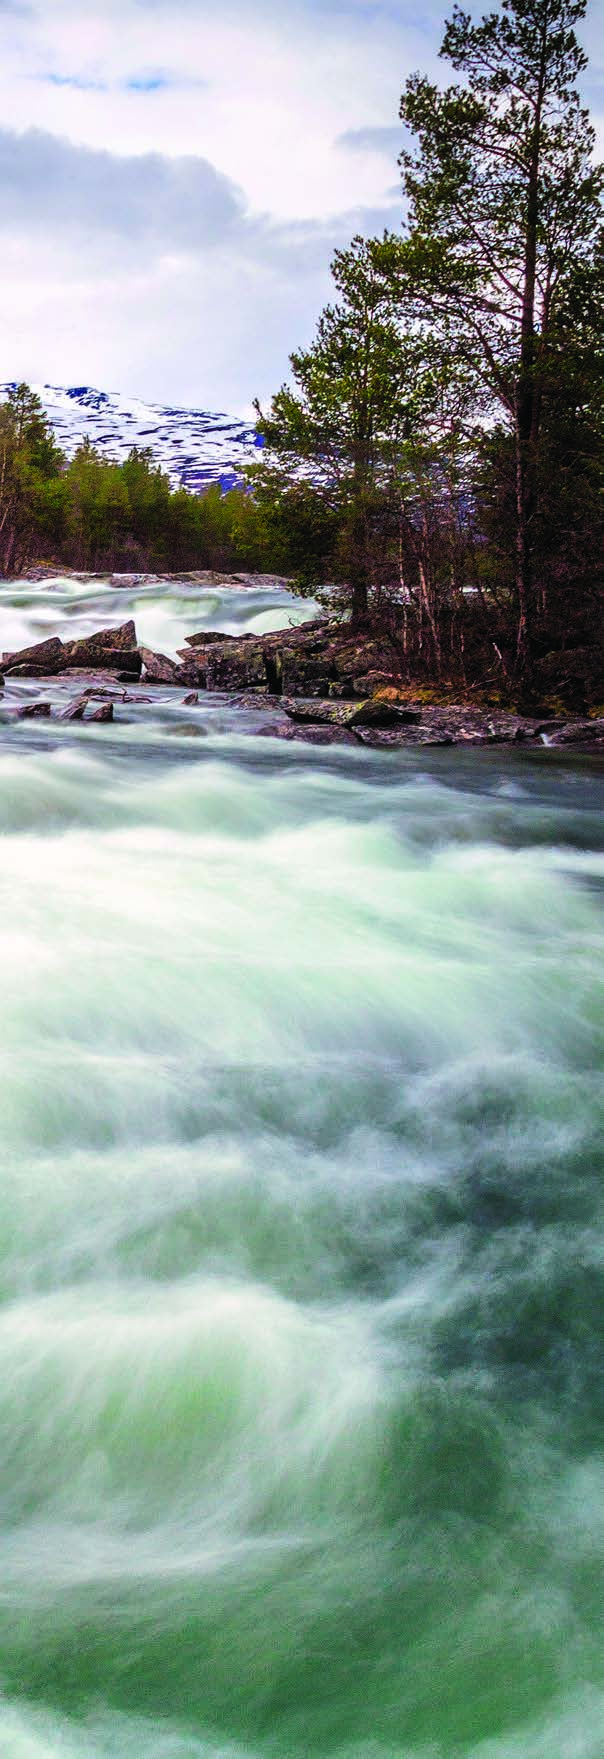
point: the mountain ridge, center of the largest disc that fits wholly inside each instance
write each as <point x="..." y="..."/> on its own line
<point x="196" y="447"/>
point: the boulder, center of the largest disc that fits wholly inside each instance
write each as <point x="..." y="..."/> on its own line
<point x="192" y="669"/>
<point x="122" y="638"/>
<point x="34" y="711"/>
<point x="311" y="734"/>
<point x="190" y="700"/>
<point x="105" y="713"/>
<point x="158" y="667"/>
<point x="112" y="649"/>
<point x="300" y="672"/>
<point x="584" y="732"/>
<point x="187" y="730"/>
<point x="236" y="665"/>
<point x="75" y="710"/>
<point x="345" y="714"/>
<point x="102" y="690"/>
<point x="317" y="713"/>
<point x="85" y="657"/>
<point x="43" y="660"/>
<point x="379" y="713"/>
<point x="362" y="662"/>
<point x="313" y="659"/>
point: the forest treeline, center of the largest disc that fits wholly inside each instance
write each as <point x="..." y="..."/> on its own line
<point x="93" y="513"/>
<point x="435" y="460"/>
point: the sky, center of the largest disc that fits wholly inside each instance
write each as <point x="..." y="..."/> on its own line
<point x="175" y="175"/>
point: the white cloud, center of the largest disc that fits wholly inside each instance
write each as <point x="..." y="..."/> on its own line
<point x="174" y="176"/>
<point x="146" y="198"/>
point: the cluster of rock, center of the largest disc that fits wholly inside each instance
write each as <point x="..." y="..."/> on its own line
<point x="115" y="650"/>
<point x="329" y="686"/>
<point x="382" y="721"/>
<point x="188" y="577"/>
<point x="317" y="659"/>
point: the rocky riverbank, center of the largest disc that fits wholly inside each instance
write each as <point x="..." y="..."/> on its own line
<point x="317" y="683"/>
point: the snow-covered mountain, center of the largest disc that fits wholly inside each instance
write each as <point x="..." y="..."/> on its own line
<point x="192" y="445"/>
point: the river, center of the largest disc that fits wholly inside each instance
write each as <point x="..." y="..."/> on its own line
<point x="301" y="1281"/>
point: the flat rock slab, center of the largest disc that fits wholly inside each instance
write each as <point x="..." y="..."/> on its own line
<point x="346" y="714"/>
<point x="588" y="733"/>
<point x="309" y="735"/>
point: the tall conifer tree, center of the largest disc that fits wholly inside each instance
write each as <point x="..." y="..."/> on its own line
<point x="504" y="225"/>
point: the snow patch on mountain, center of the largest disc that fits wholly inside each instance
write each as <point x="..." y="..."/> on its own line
<point x="193" y="446"/>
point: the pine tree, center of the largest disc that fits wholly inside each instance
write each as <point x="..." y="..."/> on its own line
<point x="504" y="228"/>
<point x="347" y="409"/>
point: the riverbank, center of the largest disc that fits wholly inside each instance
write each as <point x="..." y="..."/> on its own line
<point x="317" y="682"/>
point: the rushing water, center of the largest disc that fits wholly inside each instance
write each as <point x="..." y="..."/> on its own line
<point x="164" y="612"/>
<point x="300" y="1248"/>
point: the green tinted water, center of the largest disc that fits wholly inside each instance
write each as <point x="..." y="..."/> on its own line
<point x="300" y="1253"/>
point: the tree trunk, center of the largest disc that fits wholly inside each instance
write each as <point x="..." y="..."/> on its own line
<point x="527" y="401"/>
<point x="427" y="600"/>
<point x="359" y="570"/>
<point x="522" y="562"/>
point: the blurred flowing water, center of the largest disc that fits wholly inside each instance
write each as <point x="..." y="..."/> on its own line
<point x="164" y="611"/>
<point x="300" y="1249"/>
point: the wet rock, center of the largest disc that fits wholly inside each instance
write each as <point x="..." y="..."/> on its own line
<point x="192" y="669"/>
<point x="121" y="638"/>
<point x="158" y="667"/>
<point x="105" y="713"/>
<point x="583" y="732"/>
<point x="256" y="699"/>
<point x="207" y="637"/>
<point x="550" y="726"/>
<point x="302" y="673"/>
<point x="384" y="714"/>
<point x="319" y="713"/>
<point x="43" y="660"/>
<point x="191" y="700"/>
<point x="398" y="738"/>
<point x="103" y="690"/>
<point x="75" y="710"/>
<point x="113" y="649"/>
<point x="34" y="711"/>
<point x="314" y="659"/>
<point x="331" y="712"/>
<point x="236" y="665"/>
<point x="128" y="665"/>
<point x="311" y="734"/>
<point x="188" y="730"/>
